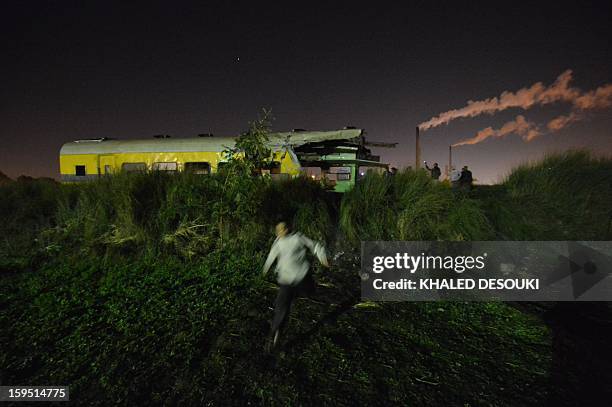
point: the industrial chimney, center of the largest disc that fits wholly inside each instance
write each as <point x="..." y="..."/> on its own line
<point x="418" y="150"/>
<point x="450" y="160"/>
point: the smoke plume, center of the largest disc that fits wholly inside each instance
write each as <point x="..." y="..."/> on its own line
<point x="525" y="98"/>
<point x="562" y="121"/>
<point x="535" y="95"/>
<point x="600" y="98"/>
<point x="597" y="99"/>
<point x="526" y="129"/>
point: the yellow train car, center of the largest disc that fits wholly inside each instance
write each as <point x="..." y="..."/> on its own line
<point x="340" y="157"/>
<point x="84" y="160"/>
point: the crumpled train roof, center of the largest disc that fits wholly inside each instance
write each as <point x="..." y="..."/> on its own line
<point x="215" y="144"/>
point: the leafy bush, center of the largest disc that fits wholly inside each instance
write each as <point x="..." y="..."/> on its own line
<point x="251" y="152"/>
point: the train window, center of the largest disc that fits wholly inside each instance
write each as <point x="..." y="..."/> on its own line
<point x="133" y="167"/>
<point x="339" y="173"/>
<point x="275" y="167"/>
<point x="79" y="170"/>
<point x="198" y="168"/>
<point x="165" y="167"/>
<point x="343" y="177"/>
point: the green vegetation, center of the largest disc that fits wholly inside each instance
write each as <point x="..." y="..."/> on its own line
<point x="27" y="208"/>
<point x="251" y="153"/>
<point x="410" y="206"/>
<point x="563" y="197"/>
<point x="147" y="288"/>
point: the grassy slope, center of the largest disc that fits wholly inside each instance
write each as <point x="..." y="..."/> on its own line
<point x="154" y="319"/>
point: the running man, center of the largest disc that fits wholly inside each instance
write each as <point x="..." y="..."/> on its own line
<point x="289" y="251"/>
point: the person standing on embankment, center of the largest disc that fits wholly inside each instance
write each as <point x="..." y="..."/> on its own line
<point x="466" y="180"/>
<point x="435" y="171"/>
<point x="289" y="251"/>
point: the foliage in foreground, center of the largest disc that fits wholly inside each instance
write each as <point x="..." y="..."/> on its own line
<point x="146" y="289"/>
<point x="168" y="332"/>
<point x="155" y="214"/>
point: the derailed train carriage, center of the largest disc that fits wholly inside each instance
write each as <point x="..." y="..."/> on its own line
<point x="339" y="157"/>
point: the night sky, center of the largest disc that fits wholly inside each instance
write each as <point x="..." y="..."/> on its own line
<point x="76" y="70"/>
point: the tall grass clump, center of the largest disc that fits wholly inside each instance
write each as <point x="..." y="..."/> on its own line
<point x="184" y="215"/>
<point x="410" y="206"/>
<point x="303" y="203"/>
<point x="565" y="196"/>
<point x="119" y="212"/>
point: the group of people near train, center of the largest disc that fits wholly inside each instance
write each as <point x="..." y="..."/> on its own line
<point x="461" y="180"/>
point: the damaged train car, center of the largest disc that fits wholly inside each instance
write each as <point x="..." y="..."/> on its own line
<point x="338" y="157"/>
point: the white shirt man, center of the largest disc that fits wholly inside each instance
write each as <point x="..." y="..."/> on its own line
<point x="289" y="251"/>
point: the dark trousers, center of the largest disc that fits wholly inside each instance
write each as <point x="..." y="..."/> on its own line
<point x="282" y="306"/>
<point x="286" y="295"/>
